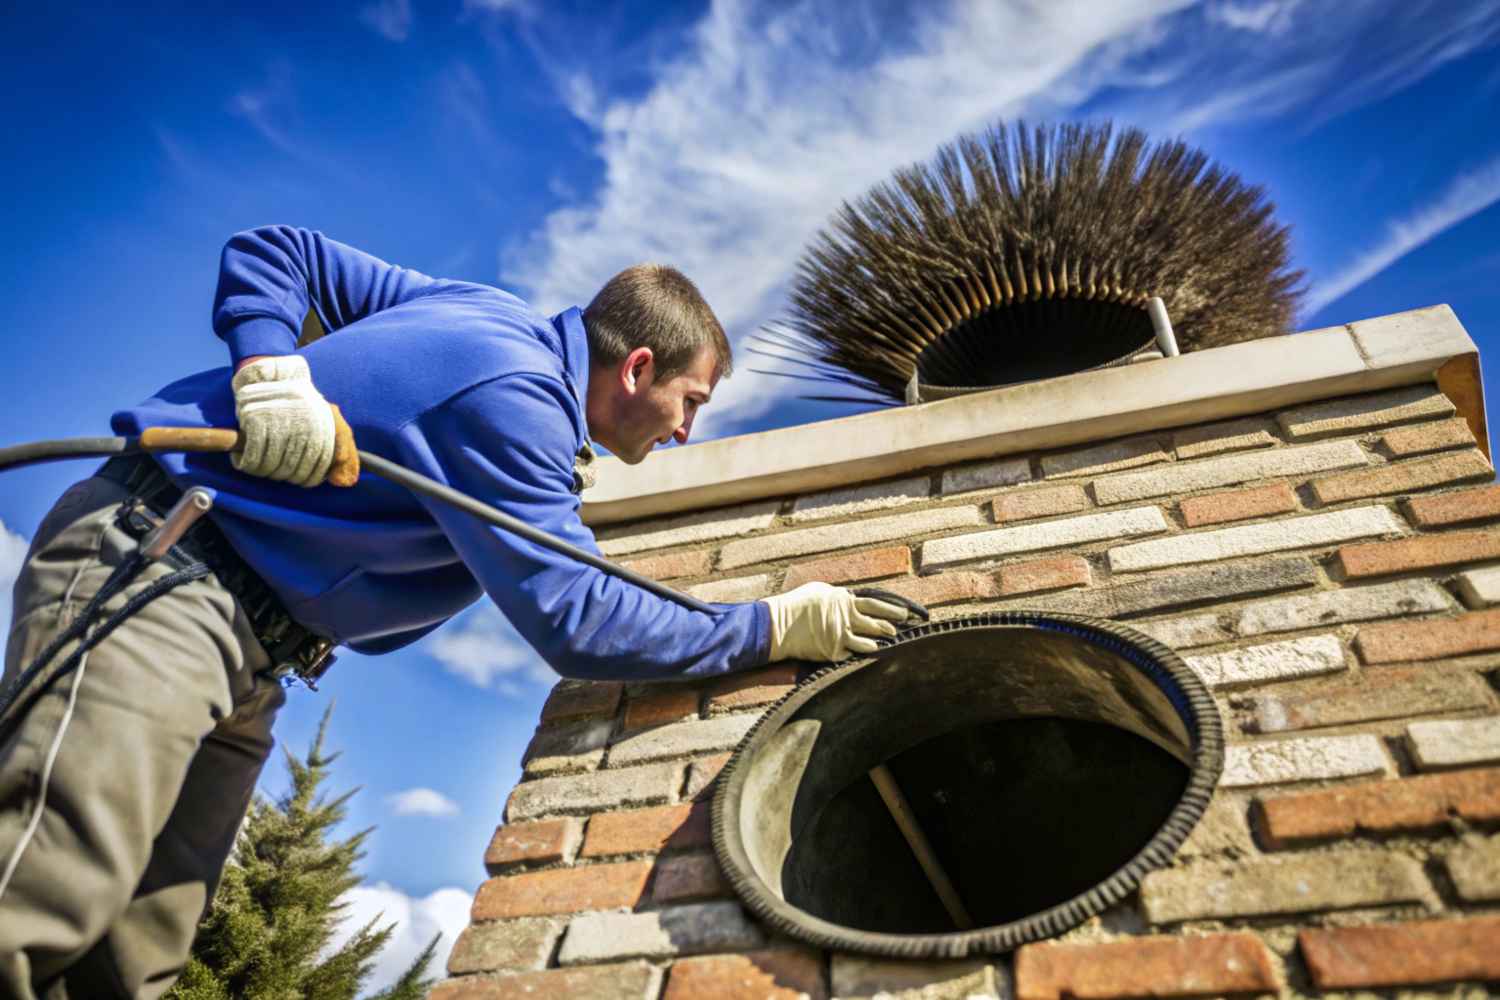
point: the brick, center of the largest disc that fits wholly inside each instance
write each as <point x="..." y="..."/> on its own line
<point x="1229" y="470"/>
<point x="1222" y="833"/>
<point x="1185" y="633"/>
<point x="506" y="946"/>
<point x="779" y="974"/>
<point x="701" y="775"/>
<point x="985" y="476"/>
<point x="581" y="700"/>
<point x="694" y="562"/>
<point x="1298" y="884"/>
<point x="675" y="930"/>
<point x="1435" y="436"/>
<point x="1345" y="604"/>
<point x="1353" y="414"/>
<point x="1237" y="505"/>
<point x="751" y="689"/>
<point x="689" y="529"/>
<point x="626" y="981"/>
<point x="1403" y="477"/>
<point x="562" y="890"/>
<point x="1313" y="758"/>
<point x="1254" y="539"/>
<point x="1099" y="459"/>
<point x="1458" y="507"/>
<point x="568" y="748"/>
<point x="1425" y="802"/>
<point x="733" y="591"/>
<point x="1379" y="694"/>
<point x="637" y="831"/>
<point x="1480" y="588"/>
<point x="851" y="500"/>
<point x="1274" y="661"/>
<point x="1174" y="590"/>
<point x="1043" y="535"/>
<point x="1422" y="552"/>
<point x="1454" y="742"/>
<point x="1474" y="867"/>
<point x="1405" y="954"/>
<point x="679" y="740"/>
<point x="687" y="877"/>
<point x="1476" y="632"/>
<point x="1146" y="966"/>
<point x="1044" y="574"/>
<point x="579" y="793"/>
<point x="893" y="560"/>
<point x="1215" y="439"/>
<point x="1032" y="504"/>
<point x="539" y="843"/>
<point x="852" y="534"/>
<point x="946" y="588"/>
<point x="661" y="704"/>
<point x="859" y="976"/>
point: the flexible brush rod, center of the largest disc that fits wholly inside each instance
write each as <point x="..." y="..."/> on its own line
<point x="1162" y="324"/>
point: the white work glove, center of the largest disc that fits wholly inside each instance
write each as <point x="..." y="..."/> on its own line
<point x="818" y="621"/>
<point x="286" y="423"/>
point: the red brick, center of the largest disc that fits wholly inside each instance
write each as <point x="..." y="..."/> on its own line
<point x="946" y="588"/>
<point x="1044" y="574"/>
<point x="662" y="704"/>
<point x="1402" y="477"/>
<point x="1458" y="507"/>
<point x="1393" y="693"/>
<point x="701" y="774"/>
<point x="624" y="981"/>
<point x="751" y="688"/>
<point x="638" y="830"/>
<point x="1381" y="807"/>
<point x="1436" y="436"/>
<point x="1396" y="642"/>
<point x="1038" y="503"/>
<point x="1409" y="954"/>
<point x="672" y="565"/>
<point x="892" y="561"/>
<point x="1238" y="505"/>
<point x="541" y="842"/>
<point x="1146" y="967"/>
<point x="783" y="974"/>
<point x="685" y="877"/>
<point x="581" y="700"/>
<point x="562" y="890"/>
<point x="1422" y="552"/>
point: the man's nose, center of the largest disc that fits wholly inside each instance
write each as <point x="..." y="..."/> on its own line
<point x="680" y="435"/>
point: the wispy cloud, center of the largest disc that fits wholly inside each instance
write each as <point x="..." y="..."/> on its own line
<point x="444" y="912"/>
<point x="1467" y="195"/>
<point x="484" y="649"/>
<point x="422" y="802"/>
<point x="391" y="19"/>
<point x="12" y="556"/>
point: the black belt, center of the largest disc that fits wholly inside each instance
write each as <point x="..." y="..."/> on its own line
<point x="292" y="647"/>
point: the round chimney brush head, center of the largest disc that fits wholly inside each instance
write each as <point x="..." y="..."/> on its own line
<point x="1022" y="253"/>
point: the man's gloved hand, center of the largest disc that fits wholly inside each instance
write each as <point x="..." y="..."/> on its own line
<point x="818" y="621"/>
<point x="287" y="425"/>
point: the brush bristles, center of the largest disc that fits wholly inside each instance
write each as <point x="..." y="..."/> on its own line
<point x="1017" y="238"/>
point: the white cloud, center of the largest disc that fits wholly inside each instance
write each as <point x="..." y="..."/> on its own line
<point x="484" y="649"/>
<point x="422" y="802"/>
<point x="391" y="19"/>
<point x="417" y="920"/>
<point x="12" y="556"/>
<point x="1271" y="17"/>
<point x="1467" y="195"/>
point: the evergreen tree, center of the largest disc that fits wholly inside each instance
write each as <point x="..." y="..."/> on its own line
<point x="276" y="907"/>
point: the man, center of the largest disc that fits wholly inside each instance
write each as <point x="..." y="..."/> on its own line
<point x="124" y="782"/>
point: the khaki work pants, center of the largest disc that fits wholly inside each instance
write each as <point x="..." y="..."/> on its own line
<point x="170" y="724"/>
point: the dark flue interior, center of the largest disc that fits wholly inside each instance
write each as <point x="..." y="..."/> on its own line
<point x="1033" y="340"/>
<point x="1023" y="814"/>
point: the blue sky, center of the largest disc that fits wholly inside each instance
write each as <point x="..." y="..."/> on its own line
<point x="541" y="146"/>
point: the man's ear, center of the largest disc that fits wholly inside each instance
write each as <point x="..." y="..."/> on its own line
<point x="637" y="370"/>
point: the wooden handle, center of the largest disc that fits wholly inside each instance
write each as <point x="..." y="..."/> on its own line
<point x="343" y="472"/>
<point x="906" y="820"/>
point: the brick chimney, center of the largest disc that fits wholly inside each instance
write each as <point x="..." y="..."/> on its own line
<point x="1306" y="521"/>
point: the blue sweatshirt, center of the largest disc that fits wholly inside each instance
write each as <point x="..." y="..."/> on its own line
<point x="460" y="382"/>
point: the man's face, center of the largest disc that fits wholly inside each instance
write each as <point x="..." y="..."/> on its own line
<point x="661" y="411"/>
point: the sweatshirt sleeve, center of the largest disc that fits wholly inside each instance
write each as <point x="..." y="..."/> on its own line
<point x="510" y="442"/>
<point x="270" y="277"/>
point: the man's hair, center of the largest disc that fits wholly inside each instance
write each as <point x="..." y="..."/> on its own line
<point x="655" y="306"/>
